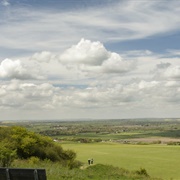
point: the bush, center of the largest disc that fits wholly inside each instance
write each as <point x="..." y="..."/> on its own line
<point x="7" y="155"/>
<point x="28" y="145"/>
<point x="156" y="142"/>
<point x="33" y="160"/>
<point x="173" y="143"/>
<point x="143" y="172"/>
<point x="75" y="164"/>
<point x="98" y="140"/>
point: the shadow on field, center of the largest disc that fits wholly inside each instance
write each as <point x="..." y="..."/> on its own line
<point x="168" y="133"/>
<point x="165" y="133"/>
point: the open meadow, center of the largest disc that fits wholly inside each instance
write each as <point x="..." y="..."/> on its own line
<point x="159" y="160"/>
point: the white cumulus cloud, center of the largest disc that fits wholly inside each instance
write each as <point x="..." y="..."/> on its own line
<point x="93" y="56"/>
<point x="44" y="56"/>
<point x="172" y="72"/>
<point x="85" y="52"/>
<point x="115" y="64"/>
<point x="15" y="69"/>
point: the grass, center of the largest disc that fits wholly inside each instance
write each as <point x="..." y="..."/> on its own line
<point x="55" y="171"/>
<point x="159" y="160"/>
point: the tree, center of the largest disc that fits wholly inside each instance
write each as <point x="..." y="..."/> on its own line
<point x="28" y="144"/>
<point x="7" y="155"/>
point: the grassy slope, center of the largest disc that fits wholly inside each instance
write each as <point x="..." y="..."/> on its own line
<point x="55" y="171"/>
<point x="159" y="160"/>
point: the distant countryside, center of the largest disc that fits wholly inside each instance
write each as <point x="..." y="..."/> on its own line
<point x="120" y="149"/>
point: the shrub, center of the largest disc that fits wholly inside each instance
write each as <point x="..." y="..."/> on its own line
<point x="143" y="172"/>
<point x="29" y="144"/>
<point x="173" y="143"/>
<point x="33" y="160"/>
<point x="98" y="140"/>
<point x="156" y="142"/>
<point x="75" y="164"/>
<point x="7" y="155"/>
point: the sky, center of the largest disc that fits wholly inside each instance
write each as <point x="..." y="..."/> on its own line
<point x="89" y="59"/>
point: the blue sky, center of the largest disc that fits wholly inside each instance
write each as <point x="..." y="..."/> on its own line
<point x="62" y="59"/>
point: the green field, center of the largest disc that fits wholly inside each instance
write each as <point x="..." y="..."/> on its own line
<point x="159" y="160"/>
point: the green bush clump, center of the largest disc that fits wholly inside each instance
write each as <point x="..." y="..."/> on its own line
<point x="7" y="155"/>
<point x="143" y="172"/>
<point x="177" y="143"/>
<point x="17" y="142"/>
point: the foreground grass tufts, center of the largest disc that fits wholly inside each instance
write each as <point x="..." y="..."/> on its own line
<point x="55" y="171"/>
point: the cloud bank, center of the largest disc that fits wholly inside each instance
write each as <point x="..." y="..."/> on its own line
<point x="86" y="77"/>
<point x="127" y="64"/>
